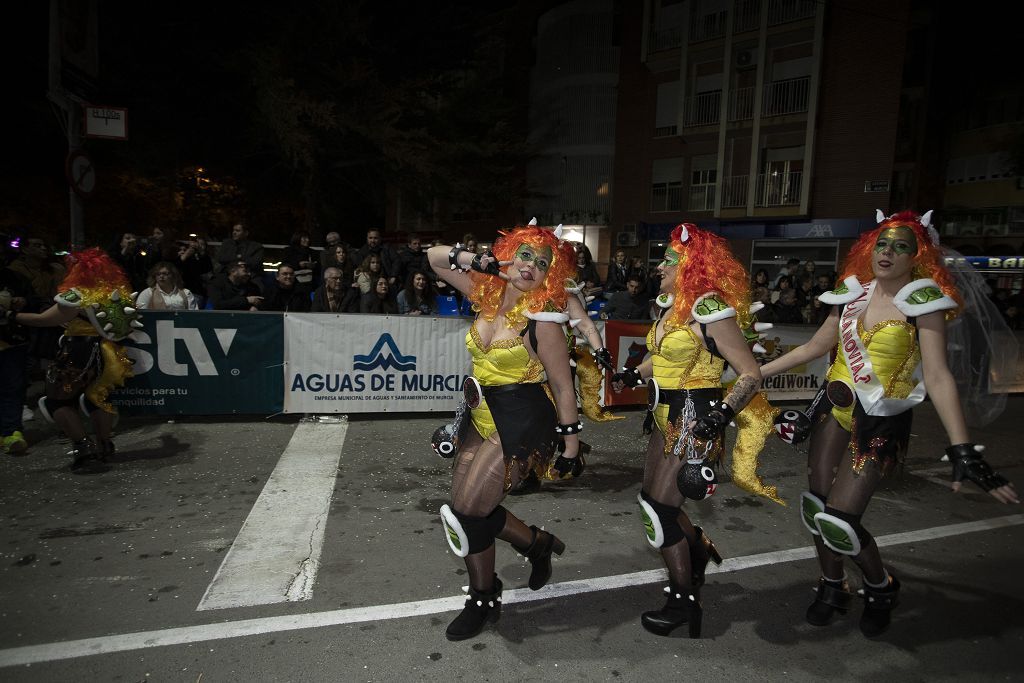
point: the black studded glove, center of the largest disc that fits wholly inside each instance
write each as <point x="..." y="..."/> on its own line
<point x="968" y="464"/>
<point x="713" y="424"/>
<point x="629" y="376"/>
<point x="567" y="468"/>
<point x="604" y="359"/>
<point x="490" y="269"/>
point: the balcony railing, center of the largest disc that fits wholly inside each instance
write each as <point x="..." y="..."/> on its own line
<point x="741" y="104"/>
<point x="748" y="16"/>
<point x="665" y="131"/>
<point x="702" y="198"/>
<point x="703" y="109"/>
<point x="779" y="189"/>
<point x="786" y="97"/>
<point x="734" y="191"/>
<point x="708" y="26"/>
<point x="665" y="39"/>
<point x="782" y="11"/>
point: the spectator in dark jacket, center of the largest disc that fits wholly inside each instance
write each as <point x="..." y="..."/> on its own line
<point x="332" y="296"/>
<point x="298" y="254"/>
<point x="586" y="271"/>
<point x="379" y="300"/>
<point x="787" y="309"/>
<point x="618" y="272"/>
<point x="284" y="294"/>
<point x="234" y="290"/>
<point x="240" y="248"/>
<point x="127" y="253"/>
<point x="195" y="265"/>
<point x="409" y="258"/>
<point x="630" y="304"/>
<point x="375" y="246"/>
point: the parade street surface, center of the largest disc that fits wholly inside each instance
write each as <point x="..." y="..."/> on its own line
<point x="288" y="550"/>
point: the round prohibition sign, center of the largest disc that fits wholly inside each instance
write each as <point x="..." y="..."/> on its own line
<point x="80" y="173"/>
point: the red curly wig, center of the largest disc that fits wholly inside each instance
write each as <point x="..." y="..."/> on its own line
<point x="489" y="292"/>
<point x="706" y="264"/>
<point x="928" y="262"/>
<point x="93" y="268"/>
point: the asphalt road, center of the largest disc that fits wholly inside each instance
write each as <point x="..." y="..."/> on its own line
<point x="102" y="576"/>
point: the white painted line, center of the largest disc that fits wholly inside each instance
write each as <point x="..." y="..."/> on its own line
<point x="276" y="555"/>
<point x="49" y="652"/>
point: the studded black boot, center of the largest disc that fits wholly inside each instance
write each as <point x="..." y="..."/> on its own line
<point x="833" y="597"/>
<point x="539" y="554"/>
<point x="682" y="607"/>
<point x="878" y="606"/>
<point x="480" y="609"/>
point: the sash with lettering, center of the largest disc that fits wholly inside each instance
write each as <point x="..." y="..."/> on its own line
<point x="870" y="391"/>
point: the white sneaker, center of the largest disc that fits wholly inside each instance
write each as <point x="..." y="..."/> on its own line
<point x="26" y="414"/>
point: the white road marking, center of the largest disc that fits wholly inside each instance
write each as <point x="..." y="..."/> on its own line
<point x="36" y="654"/>
<point x="276" y="554"/>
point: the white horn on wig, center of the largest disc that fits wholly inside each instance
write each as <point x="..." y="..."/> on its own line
<point x="926" y="219"/>
<point x="558" y="232"/>
<point x="533" y="221"/>
<point x="879" y="216"/>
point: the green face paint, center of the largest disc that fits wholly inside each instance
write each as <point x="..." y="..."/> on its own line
<point x="900" y="240"/>
<point x="671" y="258"/>
<point x="539" y="257"/>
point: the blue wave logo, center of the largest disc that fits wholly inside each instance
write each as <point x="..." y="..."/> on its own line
<point x="377" y="358"/>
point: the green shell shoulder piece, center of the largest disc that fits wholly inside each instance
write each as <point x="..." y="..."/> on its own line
<point x="921" y="297"/>
<point x="711" y="307"/>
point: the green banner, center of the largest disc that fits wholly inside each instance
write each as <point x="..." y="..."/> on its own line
<point x="205" y="363"/>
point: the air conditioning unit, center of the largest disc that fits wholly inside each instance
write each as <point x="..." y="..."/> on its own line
<point x="627" y="238"/>
<point x="746" y="59"/>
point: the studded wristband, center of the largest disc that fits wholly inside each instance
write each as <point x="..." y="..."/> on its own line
<point x="572" y="428"/>
<point x="453" y="258"/>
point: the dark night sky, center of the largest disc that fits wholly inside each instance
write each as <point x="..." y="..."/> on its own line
<point x="185" y="75"/>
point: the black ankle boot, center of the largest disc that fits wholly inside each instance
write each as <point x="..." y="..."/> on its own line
<point x="86" y="458"/>
<point x="702" y="552"/>
<point x="682" y="607"/>
<point x="878" y="606"/>
<point x="539" y="554"/>
<point x="480" y="608"/>
<point x="833" y="598"/>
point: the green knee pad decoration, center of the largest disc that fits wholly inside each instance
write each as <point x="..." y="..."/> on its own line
<point x="810" y="505"/>
<point x="837" y="534"/>
<point x="453" y="531"/>
<point x="652" y="525"/>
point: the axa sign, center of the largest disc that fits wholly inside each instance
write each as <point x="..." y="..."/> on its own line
<point x="165" y="357"/>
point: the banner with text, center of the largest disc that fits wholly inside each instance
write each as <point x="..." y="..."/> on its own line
<point x="373" y="363"/>
<point x="204" y="363"/>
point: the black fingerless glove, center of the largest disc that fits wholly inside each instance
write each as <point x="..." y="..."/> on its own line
<point x="567" y="468"/>
<point x="490" y="269"/>
<point x="713" y="424"/>
<point x="968" y="464"/>
<point x="629" y="376"/>
<point x="604" y="359"/>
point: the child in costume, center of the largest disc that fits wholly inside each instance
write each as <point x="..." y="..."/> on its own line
<point x="95" y="307"/>
<point x="702" y="289"/>
<point x="888" y="325"/>
<point x="516" y="342"/>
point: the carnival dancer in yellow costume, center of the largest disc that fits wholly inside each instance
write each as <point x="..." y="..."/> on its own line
<point x="95" y="307"/>
<point x="888" y="326"/>
<point x="516" y="342"/>
<point x="704" y="294"/>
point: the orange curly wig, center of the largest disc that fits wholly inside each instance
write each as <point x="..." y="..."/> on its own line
<point x="927" y="261"/>
<point x="489" y="292"/>
<point x="706" y="264"/>
<point x="94" y="269"/>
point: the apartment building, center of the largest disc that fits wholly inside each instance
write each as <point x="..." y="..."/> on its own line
<point x="772" y="122"/>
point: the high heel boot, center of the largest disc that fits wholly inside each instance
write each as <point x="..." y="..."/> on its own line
<point x="702" y="552"/>
<point x="833" y="597"/>
<point x="542" y="544"/>
<point x="682" y="607"/>
<point x="480" y="609"/>
<point x="878" y="606"/>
